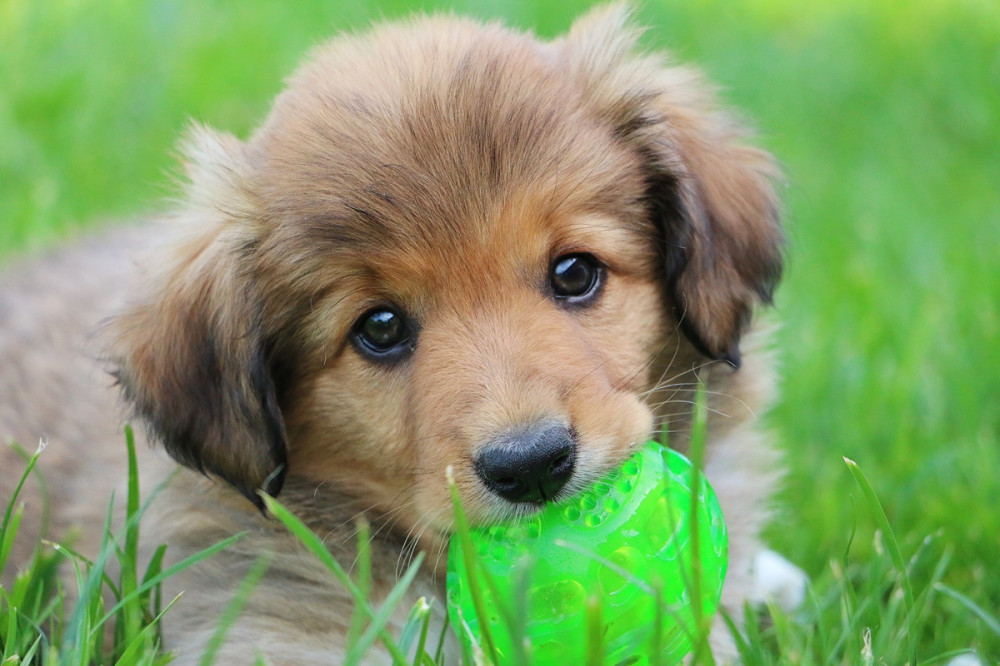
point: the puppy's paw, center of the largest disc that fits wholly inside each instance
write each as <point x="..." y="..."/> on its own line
<point x="778" y="581"/>
<point x="967" y="659"/>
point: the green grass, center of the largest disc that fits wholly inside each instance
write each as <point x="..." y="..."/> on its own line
<point x="886" y="117"/>
<point x="41" y="624"/>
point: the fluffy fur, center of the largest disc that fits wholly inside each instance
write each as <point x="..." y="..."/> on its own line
<point x="440" y="166"/>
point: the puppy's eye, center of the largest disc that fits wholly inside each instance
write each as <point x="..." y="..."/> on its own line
<point x="576" y="279"/>
<point x="383" y="335"/>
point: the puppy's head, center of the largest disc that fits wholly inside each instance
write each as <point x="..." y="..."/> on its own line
<point x="452" y="245"/>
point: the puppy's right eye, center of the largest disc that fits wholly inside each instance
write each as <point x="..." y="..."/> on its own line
<point x="576" y="279"/>
<point x="383" y="334"/>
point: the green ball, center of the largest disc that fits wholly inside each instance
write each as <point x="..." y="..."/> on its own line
<point x="588" y="570"/>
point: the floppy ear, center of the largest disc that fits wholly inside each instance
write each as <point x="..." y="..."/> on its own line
<point x="718" y="219"/>
<point x="192" y="356"/>
<point x="711" y="196"/>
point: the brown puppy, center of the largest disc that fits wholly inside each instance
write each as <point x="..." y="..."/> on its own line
<point x="450" y="244"/>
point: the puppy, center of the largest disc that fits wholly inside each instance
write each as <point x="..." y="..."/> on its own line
<point x="449" y="245"/>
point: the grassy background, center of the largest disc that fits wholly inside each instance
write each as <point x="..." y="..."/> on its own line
<point x="886" y="117"/>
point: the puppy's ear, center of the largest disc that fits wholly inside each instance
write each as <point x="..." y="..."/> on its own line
<point x="722" y="240"/>
<point x="711" y="196"/>
<point x="192" y="356"/>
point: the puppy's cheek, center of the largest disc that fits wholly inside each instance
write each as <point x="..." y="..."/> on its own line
<point x="347" y="428"/>
<point x="608" y="432"/>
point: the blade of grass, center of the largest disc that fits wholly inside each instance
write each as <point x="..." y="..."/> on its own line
<point x="850" y="598"/>
<point x="420" y="654"/>
<point x="696" y="451"/>
<point x="80" y="633"/>
<point x="29" y="656"/>
<point x="513" y="619"/>
<point x="595" y="631"/>
<point x="643" y="585"/>
<point x="893" y="547"/>
<point x="7" y="542"/>
<point x="234" y="608"/>
<point x="131" y="616"/>
<point x="847" y="604"/>
<point x="415" y="629"/>
<point x="154" y="569"/>
<point x="154" y="575"/>
<point x="29" y="601"/>
<point x="26" y="658"/>
<point x="742" y="643"/>
<point x="377" y="628"/>
<point x="9" y="649"/>
<point x="471" y="567"/>
<point x="442" y="639"/>
<point x="170" y="571"/>
<point x="656" y="641"/>
<point x="991" y="621"/>
<point x="364" y="583"/>
<point x="946" y="657"/>
<point x="316" y="546"/>
<point x="923" y="604"/>
<point x="11" y="526"/>
<point x="132" y="653"/>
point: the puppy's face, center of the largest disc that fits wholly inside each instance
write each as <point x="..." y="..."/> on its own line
<point x="508" y="336"/>
<point x="451" y="246"/>
<point x="491" y="300"/>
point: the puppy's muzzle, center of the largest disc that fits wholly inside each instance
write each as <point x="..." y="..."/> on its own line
<point x="528" y="466"/>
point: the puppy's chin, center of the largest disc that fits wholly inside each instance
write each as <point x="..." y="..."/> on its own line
<point x="485" y="508"/>
<point x="499" y="510"/>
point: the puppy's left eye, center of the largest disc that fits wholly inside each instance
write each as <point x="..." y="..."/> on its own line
<point x="576" y="279"/>
<point x="383" y="334"/>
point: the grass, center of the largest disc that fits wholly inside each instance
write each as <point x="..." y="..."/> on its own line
<point x="37" y="626"/>
<point x="886" y="119"/>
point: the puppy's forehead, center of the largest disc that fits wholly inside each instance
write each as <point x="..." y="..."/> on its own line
<point x="418" y="148"/>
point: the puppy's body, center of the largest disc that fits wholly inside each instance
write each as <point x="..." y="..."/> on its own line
<point x="559" y="240"/>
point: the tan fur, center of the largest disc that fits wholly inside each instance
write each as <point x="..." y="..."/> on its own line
<point x="441" y="166"/>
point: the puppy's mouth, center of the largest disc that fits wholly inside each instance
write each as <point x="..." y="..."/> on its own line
<point x="496" y="510"/>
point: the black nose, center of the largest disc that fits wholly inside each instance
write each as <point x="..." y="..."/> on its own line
<point x="529" y="465"/>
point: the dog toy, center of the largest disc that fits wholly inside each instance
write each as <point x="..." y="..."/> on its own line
<point x="625" y="564"/>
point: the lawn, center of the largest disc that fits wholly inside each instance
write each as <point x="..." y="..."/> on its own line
<point x="886" y="117"/>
